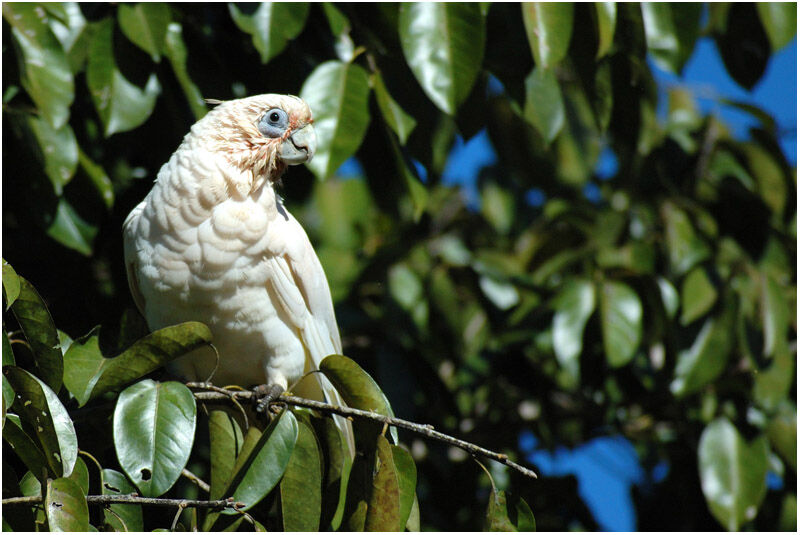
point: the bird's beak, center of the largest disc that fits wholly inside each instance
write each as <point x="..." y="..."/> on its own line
<point x="299" y="147"/>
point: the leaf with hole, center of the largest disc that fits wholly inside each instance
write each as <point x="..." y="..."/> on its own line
<point x="120" y="517"/>
<point x="65" y="506"/>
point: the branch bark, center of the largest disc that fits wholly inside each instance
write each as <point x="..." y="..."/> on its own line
<point x="213" y="393"/>
<point x="134" y="499"/>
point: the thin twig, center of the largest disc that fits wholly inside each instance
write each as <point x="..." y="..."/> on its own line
<point x="133" y="499"/>
<point x="196" y="480"/>
<point x="420" y="429"/>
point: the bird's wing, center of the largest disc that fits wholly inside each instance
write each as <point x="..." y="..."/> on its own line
<point x="129" y="229"/>
<point x="298" y="285"/>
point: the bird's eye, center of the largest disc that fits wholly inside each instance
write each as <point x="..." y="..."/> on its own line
<point x="274" y="123"/>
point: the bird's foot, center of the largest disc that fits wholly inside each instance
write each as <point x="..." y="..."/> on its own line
<point x="266" y="394"/>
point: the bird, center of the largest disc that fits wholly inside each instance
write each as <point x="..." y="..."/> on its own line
<point x="213" y="242"/>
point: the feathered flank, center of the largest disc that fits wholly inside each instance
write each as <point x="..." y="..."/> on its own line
<point x="212" y="242"/>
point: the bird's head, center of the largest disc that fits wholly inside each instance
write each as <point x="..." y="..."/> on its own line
<point x="262" y="134"/>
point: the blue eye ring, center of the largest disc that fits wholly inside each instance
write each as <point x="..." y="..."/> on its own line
<point x="273" y="123"/>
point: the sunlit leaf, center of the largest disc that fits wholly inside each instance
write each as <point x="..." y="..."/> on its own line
<point x="782" y="433"/>
<point x="443" y="45"/>
<point x="549" y="29"/>
<point x="121" y="105"/>
<point x="733" y="473"/>
<point x="573" y="305"/>
<point x="59" y="150"/>
<point x="88" y="374"/>
<point x="41" y="411"/>
<point x="11" y="284"/>
<point x="606" y="25"/>
<point x="176" y="52"/>
<point x="40" y="332"/>
<point x="775" y="314"/>
<point x="65" y="506"/>
<point x="780" y="21"/>
<point x="46" y="74"/>
<point x="272" y="25"/>
<point x="71" y="230"/>
<point x="698" y="295"/>
<point x="145" y="24"/>
<point x="544" y="107"/>
<point x="70" y="28"/>
<point x="154" y="427"/>
<point x="80" y="475"/>
<point x="621" y="319"/>
<point x="685" y="247"/>
<point x="397" y="119"/>
<point x="338" y="95"/>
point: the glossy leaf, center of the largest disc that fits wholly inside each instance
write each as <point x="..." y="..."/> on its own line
<point x="383" y="508"/>
<point x="549" y="29"/>
<point x="301" y="485"/>
<point x="59" y="150"/>
<point x="685" y="247"/>
<point x="80" y="475"/>
<point x="46" y="74"/>
<point x="733" y="473"/>
<point x="706" y="358"/>
<point x="606" y="13"/>
<point x="698" y="295"/>
<point x="259" y="470"/>
<point x="121" y="105"/>
<point x="226" y="442"/>
<point x="40" y="409"/>
<point x="272" y="25"/>
<point x="65" y="506"/>
<point x="338" y="95"/>
<point x="621" y="319"/>
<point x="88" y="374"/>
<point x="780" y="21"/>
<point x="70" y="28"/>
<point x="573" y="305"/>
<point x="122" y="517"/>
<point x="443" y="45"/>
<point x="40" y="332"/>
<point x="769" y="178"/>
<point x="782" y="433"/>
<point x="25" y="446"/>
<point x="145" y="24"/>
<point x="544" y="107"/>
<point x="11" y="284"/>
<point x="154" y="427"/>
<point x="398" y="120"/>
<point x="775" y="314"/>
<point x="71" y="230"/>
<point x="176" y="52"/>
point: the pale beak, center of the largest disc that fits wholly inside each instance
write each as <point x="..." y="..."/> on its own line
<point x="300" y="147"/>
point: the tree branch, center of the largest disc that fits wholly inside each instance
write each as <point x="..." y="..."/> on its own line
<point x="134" y="499"/>
<point x="213" y="393"/>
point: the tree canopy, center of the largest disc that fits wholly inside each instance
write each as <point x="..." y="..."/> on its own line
<point x="656" y="302"/>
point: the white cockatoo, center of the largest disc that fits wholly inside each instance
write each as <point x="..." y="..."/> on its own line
<point x="212" y="242"/>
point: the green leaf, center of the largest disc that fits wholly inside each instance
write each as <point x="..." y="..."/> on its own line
<point x="782" y="433"/>
<point x="301" y="486"/>
<point x="698" y="295"/>
<point x="59" y="151"/>
<point x="40" y="331"/>
<point x="733" y="473"/>
<point x="176" y="52"/>
<point x="398" y="120"/>
<point x="8" y="360"/>
<point x="122" y="517"/>
<point x="708" y="356"/>
<point x="621" y="319"/>
<point x="443" y="44"/>
<point x="11" y="284"/>
<point x="80" y="475"/>
<point x="338" y="94"/>
<point x="769" y="178"/>
<point x="88" y="374"/>
<point x="407" y="479"/>
<point x="775" y="314"/>
<point x="549" y="29"/>
<point x="669" y="297"/>
<point x="337" y="458"/>
<point x="98" y="177"/>
<point x="606" y="26"/>
<point x="25" y="446"/>
<point x="70" y="29"/>
<point x="573" y="305"/>
<point x="780" y="21"/>
<point x="226" y="442"/>
<point x="258" y="471"/>
<point x="340" y="28"/>
<point x="497" y="513"/>
<point x="154" y="427"/>
<point x="121" y="105"/>
<point x="383" y="508"/>
<point x="685" y="248"/>
<point x="356" y="387"/>
<point x="544" y="107"/>
<point x="65" y="506"/>
<point x="145" y="24"/>
<point x="272" y="25"/>
<point x="41" y="411"/>
<point x="45" y="72"/>
<point x="772" y="385"/>
<point x="70" y="230"/>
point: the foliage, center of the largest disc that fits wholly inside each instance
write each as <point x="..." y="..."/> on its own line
<point x="657" y="304"/>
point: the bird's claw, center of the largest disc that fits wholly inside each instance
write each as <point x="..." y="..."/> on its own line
<point x="266" y="394"/>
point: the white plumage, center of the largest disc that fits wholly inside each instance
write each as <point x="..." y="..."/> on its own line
<point x="212" y="242"/>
